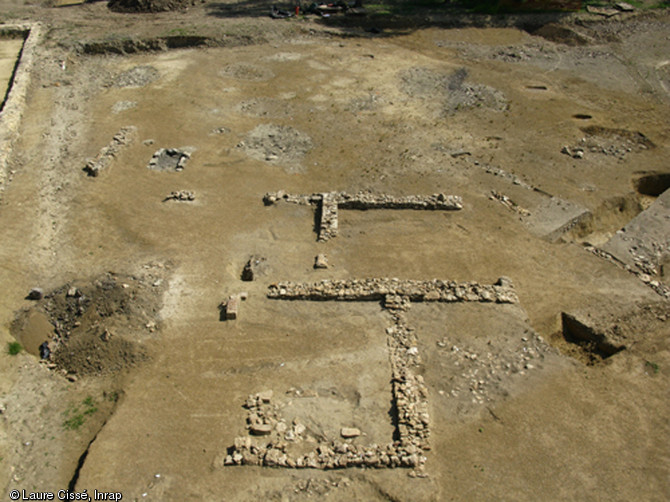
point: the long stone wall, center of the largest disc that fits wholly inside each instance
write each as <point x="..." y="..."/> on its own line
<point x="329" y="203"/>
<point x="121" y="139"/>
<point x="377" y="289"/>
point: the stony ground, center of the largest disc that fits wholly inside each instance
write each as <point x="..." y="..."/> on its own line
<point x="542" y="135"/>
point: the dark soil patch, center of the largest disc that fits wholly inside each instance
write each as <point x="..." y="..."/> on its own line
<point x="149" y="5"/>
<point x="95" y="327"/>
<point x="651" y="183"/>
<point x="450" y="90"/>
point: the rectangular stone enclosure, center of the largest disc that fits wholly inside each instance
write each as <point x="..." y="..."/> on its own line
<point x="410" y="395"/>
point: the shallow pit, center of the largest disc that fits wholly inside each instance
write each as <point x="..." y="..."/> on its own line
<point x="652" y="183"/>
<point x="595" y="345"/>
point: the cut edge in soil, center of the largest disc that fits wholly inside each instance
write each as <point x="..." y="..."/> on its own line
<point x="652" y="183"/>
<point x="592" y="347"/>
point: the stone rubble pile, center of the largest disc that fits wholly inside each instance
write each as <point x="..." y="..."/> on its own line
<point x="321" y="261"/>
<point x="379" y="289"/>
<point x="481" y="373"/>
<point x="328" y="223"/>
<point x="181" y="195"/>
<point x="611" y="142"/>
<point x="500" y="173"/>
<point x="330" y="202"/>
<point x="124" y="137"/>
<point x="575" y="152"/>
<point x="409" y="391"/>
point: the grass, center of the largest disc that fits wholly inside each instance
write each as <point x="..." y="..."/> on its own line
<point x="653" y="366"/>
<point x="112" y="397"/>
<point x="75" y="416"/>
<point x="14" y="348"/>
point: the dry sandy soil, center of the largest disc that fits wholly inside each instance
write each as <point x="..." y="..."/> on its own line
<point x="145" y="387"/>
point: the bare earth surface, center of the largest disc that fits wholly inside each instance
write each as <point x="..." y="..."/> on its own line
<point x="145" y="388"/>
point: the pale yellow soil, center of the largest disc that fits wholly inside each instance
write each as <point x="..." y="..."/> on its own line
<point x="9" y="51"/>
<point x="559" y="430"/>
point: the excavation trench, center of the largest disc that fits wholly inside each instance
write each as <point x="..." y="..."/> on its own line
<point x="594" y="343"/>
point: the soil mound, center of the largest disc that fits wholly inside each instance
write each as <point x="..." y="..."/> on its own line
<point x="93" y="328"/>
<point x="149" y="5"/>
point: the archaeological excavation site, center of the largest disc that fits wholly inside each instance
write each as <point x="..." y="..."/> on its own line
<point x="397" y="251"/>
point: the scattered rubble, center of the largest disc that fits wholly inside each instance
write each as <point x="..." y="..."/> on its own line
<point x="219" y="130"/>
<point x="247" y="71"/>
<point x="121" y="139"/>
<point x="329" y="203"/>
<point x="509" y="203"/>
<point x="122" y="106"/>
<point x="606" y="141"/>
<point x="656" y="285"/>
<point x="501" y="173"/>
<point x="480" y="372"/>
<point x="139" y="76"/>
<point x="277" y="144"/>
<point x="574" y="152"/>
